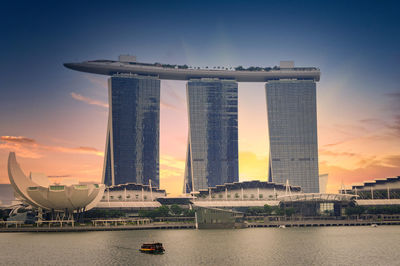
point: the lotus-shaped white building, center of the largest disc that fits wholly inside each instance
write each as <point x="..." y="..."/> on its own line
<point x="37" y="191"/>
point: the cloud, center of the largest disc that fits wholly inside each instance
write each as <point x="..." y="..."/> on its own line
<point x="88" y="100"/>
<point x="29" y="148"/>
<point x="393" y="95"/>
<point x="252" y="167"/>
<point x="395" y="126"/>
<point x="334" y="153"/>
<point x="80" y="97"/>
<point x="81" y="150"/>
<point x="369" y="169"/>
<point x="21" y="150"/>
<point x="164" y="104"/>
<point x="352" y="130"/>
<point x="393" y="161"/>
<point x="171" y="174"/>
<point x="97" y="81"/>
<point x="333" y="144"/>
<point x="171" y="97"/>
<point x="172" y="163"/>
<point x="17" y="139"/>
<point x="394" y="107"/>
<point x="174" y="95"/>
<point x="371" y="121"/>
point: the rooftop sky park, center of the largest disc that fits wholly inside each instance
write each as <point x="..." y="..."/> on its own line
<point x="128" y="64"/>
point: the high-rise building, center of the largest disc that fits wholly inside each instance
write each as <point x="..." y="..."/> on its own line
<point x="323" y="182"/>
<point x="132" y="146"/>
<point x="212" y="153"/>
<point x="292" y="123"/>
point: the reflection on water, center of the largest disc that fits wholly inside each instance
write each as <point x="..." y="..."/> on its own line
<point x="255" y="246"/>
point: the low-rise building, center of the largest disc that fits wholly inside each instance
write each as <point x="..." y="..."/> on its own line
<point x="131" y="196"/>
<point x="385" y="188"/>
<point x="246" y="191"/>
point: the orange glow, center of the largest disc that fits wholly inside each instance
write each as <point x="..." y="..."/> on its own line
<point x="352" y="148"/>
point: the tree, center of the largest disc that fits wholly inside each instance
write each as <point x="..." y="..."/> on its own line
<point x="188" y="213"/>
<point x="163" y="211"/>
<point x="3" y="215"/>
<point x="279" y="211"/>
<point x="289" y="211"/>
<point x="268" y="209"/>
<point x="255" y="210"/>
<point x="104" y="214"/>
<point x="176" y="210"/>
<point x="356" y="210"/>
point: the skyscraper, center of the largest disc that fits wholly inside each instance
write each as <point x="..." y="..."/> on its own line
<point x="292" y="123"/>
<point x="212" y="153"/>
<point x="132" y="145"/>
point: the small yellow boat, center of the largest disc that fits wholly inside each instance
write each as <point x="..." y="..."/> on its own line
<point x="153" y="248"/>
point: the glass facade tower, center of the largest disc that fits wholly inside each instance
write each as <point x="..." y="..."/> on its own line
<point x="292" y="124"/>
<point x="132" y="145"/>
<point x="212" y="152"/>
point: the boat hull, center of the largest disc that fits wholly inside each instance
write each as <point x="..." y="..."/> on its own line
<point x="151" y="251"/>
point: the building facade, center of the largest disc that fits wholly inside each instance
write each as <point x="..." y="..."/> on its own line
<point x="247" y="191"/>
<point x="292" y="124"/>
<point x="132" y="193"/>
<point x="49" y="196"/>
<point x="384" y="188"/>
<point x="132" y="145"/>
<point x="212" y="152"/>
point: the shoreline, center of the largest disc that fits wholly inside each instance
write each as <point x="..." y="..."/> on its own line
<point x="322" y="223"/>
<point x="325" y="223"/>
<point x="97" y="228"/>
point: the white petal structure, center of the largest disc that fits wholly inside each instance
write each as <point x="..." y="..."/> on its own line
<point x="53" y="197"/>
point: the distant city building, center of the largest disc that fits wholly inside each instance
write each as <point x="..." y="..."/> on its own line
<point x="323" y="183"/>
<point x="216" y="218"/>
<point x="292" y="123"/>
<point x="378" y="189"/>
<point x="132" y="145"/>
<point x="7" y="195"/>
<point x="247" y="191"/>
<point x="212" y="153"/>
<point x="131" y="197"/>
<point x="239" y="195"/>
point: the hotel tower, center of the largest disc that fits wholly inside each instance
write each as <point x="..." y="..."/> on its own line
<point x="132" y="144"/>
<point x="212" y="152"/>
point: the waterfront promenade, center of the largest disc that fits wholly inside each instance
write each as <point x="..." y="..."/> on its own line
<point x="317" y="223"/>
<point x="87" y="228"/>
<point x="114" y="226"/>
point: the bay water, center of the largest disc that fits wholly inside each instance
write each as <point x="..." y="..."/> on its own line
<point x="252" y="246"/>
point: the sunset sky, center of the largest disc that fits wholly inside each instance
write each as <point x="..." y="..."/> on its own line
<point x="55" y="119"/>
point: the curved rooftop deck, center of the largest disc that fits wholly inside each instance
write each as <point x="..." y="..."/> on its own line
<point x="183" y="72"/>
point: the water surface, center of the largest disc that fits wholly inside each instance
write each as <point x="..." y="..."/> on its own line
<point x="253" y="246"/>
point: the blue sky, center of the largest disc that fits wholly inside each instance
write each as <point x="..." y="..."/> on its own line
<point x="37" y="37"/>
<point x="354" y="43"/>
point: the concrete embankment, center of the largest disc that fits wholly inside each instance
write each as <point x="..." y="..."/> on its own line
<point x="322" y="223"/>
<point x="81" y="228"/>
<point x="98" y="228"/>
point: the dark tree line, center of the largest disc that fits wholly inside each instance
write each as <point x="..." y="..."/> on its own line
<point x="165" y="211"/>
<point x="358" y="210"/>
<point x="270" y="210"/>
